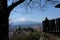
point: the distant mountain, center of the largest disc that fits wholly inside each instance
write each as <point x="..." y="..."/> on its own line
<point x="24" y="24"/>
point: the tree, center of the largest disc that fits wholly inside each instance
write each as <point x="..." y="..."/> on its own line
<point x="31" y="4"/>
<point x="5" y="11"/>
<point x="57" y="6"/>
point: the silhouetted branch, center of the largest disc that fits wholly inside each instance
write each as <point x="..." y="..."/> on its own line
<point x="57" y="6"/>
<point x="14" y="5"/>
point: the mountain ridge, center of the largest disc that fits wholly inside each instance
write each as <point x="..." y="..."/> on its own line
<point x="24" y="24"/>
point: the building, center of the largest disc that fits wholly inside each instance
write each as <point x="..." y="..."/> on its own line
<point x="58" y="25"/>
<point x="51" y="26"/>
<point x="45" y="25"/>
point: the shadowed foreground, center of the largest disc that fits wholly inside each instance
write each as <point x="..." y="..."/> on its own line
<point x="31" y="34"/>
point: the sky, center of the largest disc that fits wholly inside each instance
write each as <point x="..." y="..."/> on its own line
<point x="36" y="14"/>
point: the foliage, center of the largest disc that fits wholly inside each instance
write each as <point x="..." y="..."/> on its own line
<point x="35" y="35"/>
<point x="31" y="35"/>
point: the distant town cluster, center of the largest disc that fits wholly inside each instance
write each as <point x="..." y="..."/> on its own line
<point x="51" y="26"/>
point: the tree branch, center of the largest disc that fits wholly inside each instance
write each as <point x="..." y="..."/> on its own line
<point x="14" y="5"/>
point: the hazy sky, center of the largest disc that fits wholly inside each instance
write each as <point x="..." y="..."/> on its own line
<point x="33" y="14"/>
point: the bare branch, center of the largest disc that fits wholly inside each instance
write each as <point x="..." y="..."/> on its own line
<point x="14" y="5"/>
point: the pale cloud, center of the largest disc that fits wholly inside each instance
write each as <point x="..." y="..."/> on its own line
<point x="22" y="19"/>
<point x="19" y="19"/>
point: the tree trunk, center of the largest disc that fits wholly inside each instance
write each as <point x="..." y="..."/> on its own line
<point x="4" y="16"/>
<point x="3" y="21"/>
